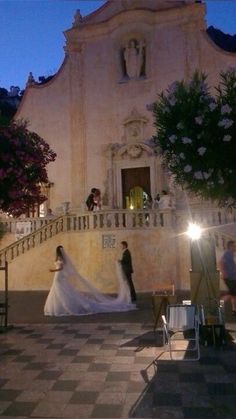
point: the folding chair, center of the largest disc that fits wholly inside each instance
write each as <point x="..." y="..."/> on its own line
<point x="182" y="324"/>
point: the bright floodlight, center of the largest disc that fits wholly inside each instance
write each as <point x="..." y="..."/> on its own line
<point x="194" y="231"/>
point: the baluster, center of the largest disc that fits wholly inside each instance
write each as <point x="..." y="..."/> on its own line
<point x="63" y="223"/>
<point x="118" y="220"/>
<point x="138" y="219"/>
<point x="151" y="219"/>
<point x="57" y="226"/>
<point x="68" y="223"/>
<point x="87" y="221"/>
<point x="101" y="216"/>
<point x="95" y="221"/>
<point x="129" y="219"/>
<point x="17" y="249"/>
<point x="107" y="221"/>
<point x="74" y="224"/>
<point x="161" y="219"/>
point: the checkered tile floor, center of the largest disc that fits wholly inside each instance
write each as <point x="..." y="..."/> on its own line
<point x="92" y="370"/>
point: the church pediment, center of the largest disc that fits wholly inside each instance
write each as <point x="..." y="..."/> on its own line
<point x="114" y="7"/>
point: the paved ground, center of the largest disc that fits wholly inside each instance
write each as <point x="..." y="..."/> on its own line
<point x="107" y="366"/>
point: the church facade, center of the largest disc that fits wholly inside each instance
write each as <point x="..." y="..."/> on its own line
<point x="96" y="114"/>
<point x="96" y="111"/>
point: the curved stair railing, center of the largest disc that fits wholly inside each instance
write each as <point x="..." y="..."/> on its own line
<point x="30" y="241"/>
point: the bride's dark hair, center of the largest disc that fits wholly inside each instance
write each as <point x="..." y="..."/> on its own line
<point x="59" y="254"/>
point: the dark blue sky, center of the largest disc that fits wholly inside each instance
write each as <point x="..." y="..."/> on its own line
<point x="31" y="37"/>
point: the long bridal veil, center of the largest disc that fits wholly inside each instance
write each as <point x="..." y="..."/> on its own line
<point x="84" y="298"/>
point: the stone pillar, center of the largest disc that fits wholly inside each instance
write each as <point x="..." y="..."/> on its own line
<point x="192" y="48"/>
<point x="78" y="125"/>
<point x="110" y="176"/>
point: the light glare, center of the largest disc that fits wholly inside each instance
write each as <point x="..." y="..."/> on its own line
<point x="194" y="231"/>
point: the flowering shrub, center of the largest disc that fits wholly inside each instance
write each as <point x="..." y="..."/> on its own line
<point x="23" y="159"/>
<point x="196" y="133"/>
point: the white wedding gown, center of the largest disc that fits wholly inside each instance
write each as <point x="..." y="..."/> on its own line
<point x="64" y="299"/>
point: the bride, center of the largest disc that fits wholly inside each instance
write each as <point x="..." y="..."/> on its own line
<point x="65" y="299"/>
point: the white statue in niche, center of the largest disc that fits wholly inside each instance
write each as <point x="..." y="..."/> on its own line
<point x="134" y="56"/>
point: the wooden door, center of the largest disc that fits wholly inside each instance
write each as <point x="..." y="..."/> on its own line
<point x="135" y="177"/>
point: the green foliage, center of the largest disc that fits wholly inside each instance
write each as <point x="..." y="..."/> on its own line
<point x="7" y="111"/>
<point x="196" y="134"/>
<point x="23" y="159"/>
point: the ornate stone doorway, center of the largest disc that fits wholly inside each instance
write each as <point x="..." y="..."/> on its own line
<point x="135" y="183"/>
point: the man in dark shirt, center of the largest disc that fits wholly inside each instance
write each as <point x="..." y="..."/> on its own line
<point x="90" y="200"/>
<point x="228" y="270"/>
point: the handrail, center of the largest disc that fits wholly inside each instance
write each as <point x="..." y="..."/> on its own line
<point x="207" y="216"/>
<point x="221" y="238"/>
<point x="31" y="240"/>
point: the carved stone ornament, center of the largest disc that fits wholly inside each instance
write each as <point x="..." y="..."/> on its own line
<point x="134" y="127"/>
<point x="30" y="80"/>
<point x="77" y="19"/>
<point x="134" y="151"/>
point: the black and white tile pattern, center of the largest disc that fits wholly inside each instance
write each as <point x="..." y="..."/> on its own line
<point x="112" y="370"/>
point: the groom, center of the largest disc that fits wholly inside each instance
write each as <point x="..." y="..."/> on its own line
<point x="126" y="263"/>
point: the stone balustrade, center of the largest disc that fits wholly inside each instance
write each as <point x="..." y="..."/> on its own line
<point x="43" y="229"/>
<point x="9" y="224"/>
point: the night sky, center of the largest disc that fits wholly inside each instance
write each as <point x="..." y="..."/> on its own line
<point x="31" y="33"/>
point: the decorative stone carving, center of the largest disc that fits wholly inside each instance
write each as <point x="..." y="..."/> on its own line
<point x="134" y="127"/>
<point x="30" y="80"/>
<point x="77" y="19"/>
<point x="135" y="151"/>
<point x="134" y="56"/>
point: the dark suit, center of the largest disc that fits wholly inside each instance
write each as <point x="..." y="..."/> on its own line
<point x="90" y="202"/>
<point x="126" y="263"/>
